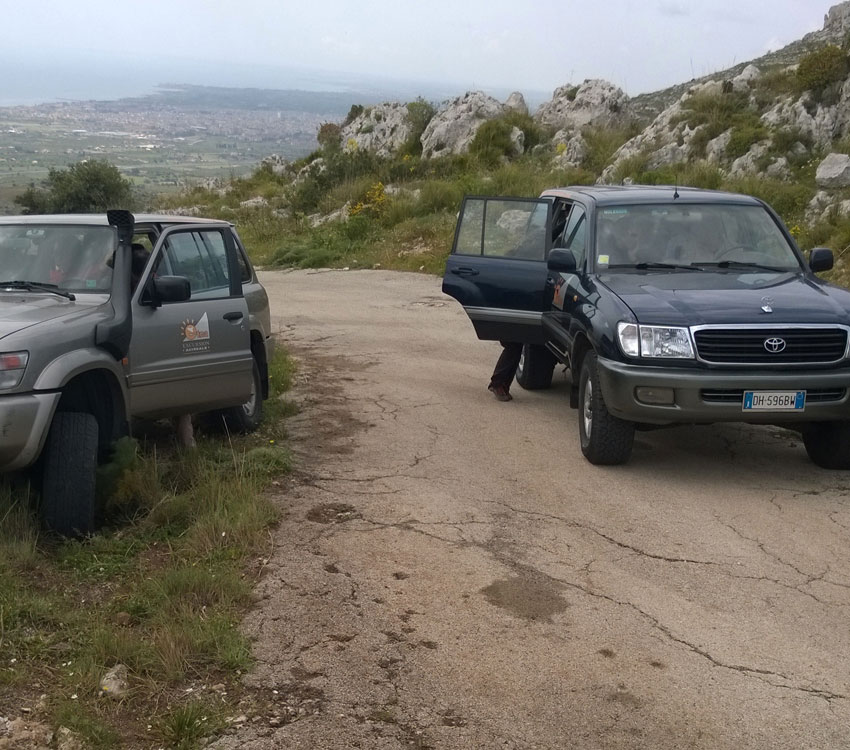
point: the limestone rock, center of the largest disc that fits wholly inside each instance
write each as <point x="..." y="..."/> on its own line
<point x="257" y="202"/>
<point x="834" y="171"/>
<point x="341" y="215"/>
<point x="820" y="123"/>
<point x="837" y="20"/>
<point x="778" y="169"/>
<point x="748" y="163"/>
<point x="278" y="164"/>
<point x="315" y="167"/>
<point x="453" y="127"/>
<point x="382" y="129"/>
<point x="745" y="79"/>
<point x="516" y="103"/>
<point x="595" y="102"/>
<point x="817" y="206"/>
<point x="672" y="153"/>
<point x="114" y="683"/>
<point x="715" y="149"/>
<point x="570" y="149"/>
<point x="517" y="141"/>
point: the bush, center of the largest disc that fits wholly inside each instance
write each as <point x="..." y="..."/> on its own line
<point x="602" y="144"/>
<point x="84" y="187"/>
<point x="743" y="136"/>
<point x="419" y="114"/>
<point x="821" y="69"/>
<point x="329" y="135"/>
<point x="353" y="113"/>
<point x="492" y="143"/>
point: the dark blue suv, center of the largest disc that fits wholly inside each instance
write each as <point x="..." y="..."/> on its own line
<point x="668" y="306"/>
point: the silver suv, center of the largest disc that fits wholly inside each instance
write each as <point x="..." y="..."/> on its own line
<point x="107" y="318"/>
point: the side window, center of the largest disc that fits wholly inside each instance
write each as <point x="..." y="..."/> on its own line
<point x="202" y="258"/>
<point x="503" y="228"/>
<point x="575" y="236"/>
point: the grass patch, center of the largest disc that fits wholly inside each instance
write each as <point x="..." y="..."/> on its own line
<point x="161" y="589"/>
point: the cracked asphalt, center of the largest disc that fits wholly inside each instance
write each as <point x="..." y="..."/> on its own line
<point x="451" y="573"/>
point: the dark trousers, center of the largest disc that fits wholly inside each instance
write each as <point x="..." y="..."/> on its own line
<point x="507" y="364"/>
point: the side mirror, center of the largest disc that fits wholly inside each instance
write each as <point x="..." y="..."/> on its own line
<point x="820" y="259"/>
<point x="561" y="259"/>
<point x="167" y="289"/>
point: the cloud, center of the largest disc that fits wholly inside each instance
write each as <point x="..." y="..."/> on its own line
<point x="673" y="8"/>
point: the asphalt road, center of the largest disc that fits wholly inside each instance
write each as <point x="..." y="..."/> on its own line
<point x="451" y="573"/>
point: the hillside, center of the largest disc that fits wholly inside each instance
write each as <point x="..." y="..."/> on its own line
<point x="384" y="185"/>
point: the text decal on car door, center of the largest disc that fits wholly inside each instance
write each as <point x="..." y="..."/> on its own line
<point x="196" y="335"/>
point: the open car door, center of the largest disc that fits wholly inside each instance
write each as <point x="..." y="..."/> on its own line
<point x="497" y="268"/>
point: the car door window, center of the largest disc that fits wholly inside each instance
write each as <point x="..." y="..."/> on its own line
<point x="201" y="257"/>
<point x="575" y="235"/>
<point x="503" y="228"/>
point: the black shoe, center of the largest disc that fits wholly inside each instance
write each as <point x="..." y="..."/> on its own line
<point x="500" y="391"/>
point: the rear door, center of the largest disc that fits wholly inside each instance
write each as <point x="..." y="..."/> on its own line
<point x="193" y="355"/>
<point x="497" y="268"/>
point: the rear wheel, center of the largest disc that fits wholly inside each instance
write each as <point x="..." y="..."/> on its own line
<point x="605" y="439"/>
<point x="69" y="474"/>
<point x="536" y="365"/>
<point x="828" y="444"/>
<point x="247" y="417"/>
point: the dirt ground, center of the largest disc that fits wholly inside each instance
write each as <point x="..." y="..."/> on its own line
<point x="451" y="573"/>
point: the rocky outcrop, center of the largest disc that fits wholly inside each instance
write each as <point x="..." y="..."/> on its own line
<point x="815" y="121"/>
<point x="834" y="171"/>
<point x="666" y="141"/>
<point x="382" y="129"/>
<point x="516" y="103"/>
<point x="746" y="78"/>
<point x="595" y="102"/>
<point x="570" y="149"/>
<point x="455" y="124"/>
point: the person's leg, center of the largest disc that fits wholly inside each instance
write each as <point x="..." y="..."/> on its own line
<point x="503" y="374"/>
<point x="185" y="431"/>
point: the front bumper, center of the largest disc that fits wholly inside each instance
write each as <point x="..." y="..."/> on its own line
<point x="692" y="403"/>
<point x="24" y="422"/>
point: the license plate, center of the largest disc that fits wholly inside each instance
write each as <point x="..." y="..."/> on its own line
<point x="774" y="400"/>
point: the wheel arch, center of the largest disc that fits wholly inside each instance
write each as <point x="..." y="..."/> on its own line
<point x="581" y="346"/>
<point x="98" y="392"/>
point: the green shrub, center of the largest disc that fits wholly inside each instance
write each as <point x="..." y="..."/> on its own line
<point x="419" y="114"/>
<point x="329" y="135"/>
<point x="353" y="113"/>
<point x="602" y="143"/>
<point x="743" y="136"/>
<point x="492" y="143"/>
<point x="821" y="69"/>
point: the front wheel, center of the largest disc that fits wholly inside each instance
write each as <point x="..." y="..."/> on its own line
<point x="605" y="439"/>
<point x="247" y="417"/>
<point x="828" y="444"/>
<point x="536" y="365"/>
<point x="69" y="474"/>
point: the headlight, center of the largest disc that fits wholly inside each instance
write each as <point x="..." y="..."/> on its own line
<point x="659" y="342"/>
<point x="12" y="368"/>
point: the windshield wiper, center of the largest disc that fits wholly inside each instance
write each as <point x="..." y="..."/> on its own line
<point x="744" y="264"/>
<point x="646" y="266"/>
<point x="37" y="286"/>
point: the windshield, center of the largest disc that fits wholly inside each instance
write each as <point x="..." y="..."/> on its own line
<point x="76" y="258"/>
<point x="691" y="236"/>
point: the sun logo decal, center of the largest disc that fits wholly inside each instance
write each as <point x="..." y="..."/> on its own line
<point x="189" y="330"/>
<point x="195" y="335"/>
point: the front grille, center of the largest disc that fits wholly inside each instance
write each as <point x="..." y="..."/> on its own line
<point x="736" y="396"/>
<point x="747" y="345"/>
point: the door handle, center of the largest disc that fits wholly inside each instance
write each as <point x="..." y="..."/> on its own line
<point x="550" y="281"/>
<point x="465" y="271"/>
<point x="234" y="316"/>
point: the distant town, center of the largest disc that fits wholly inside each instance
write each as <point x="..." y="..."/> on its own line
<point x="179" y="135"/>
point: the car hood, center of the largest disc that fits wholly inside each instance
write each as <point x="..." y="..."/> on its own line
<point x="22" y="310"/>
<point x="704" y="298"/>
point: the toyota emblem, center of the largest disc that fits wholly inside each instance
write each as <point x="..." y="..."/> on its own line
<point x="775" y="345"/>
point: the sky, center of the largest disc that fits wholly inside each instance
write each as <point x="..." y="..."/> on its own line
<point x="534" y="45"/>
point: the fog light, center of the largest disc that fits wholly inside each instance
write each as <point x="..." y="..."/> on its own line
<point x="662" y="396"/>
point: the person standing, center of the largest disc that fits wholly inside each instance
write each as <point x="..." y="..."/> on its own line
<point x="505" y="370"/>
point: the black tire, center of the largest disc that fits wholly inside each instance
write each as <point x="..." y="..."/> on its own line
<point x="69" y="476"/>
<point x="536" y="366"/>
<point x="605" y="439"/>
<point x="828" y="444"/>
<point x="247" y="418"/>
